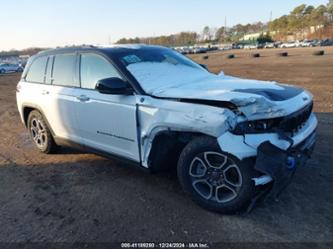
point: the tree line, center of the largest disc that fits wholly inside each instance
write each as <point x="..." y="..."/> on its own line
<point x="28" y="51"/>
<point x="208" y="34"/>
<point x="300" y="19"/>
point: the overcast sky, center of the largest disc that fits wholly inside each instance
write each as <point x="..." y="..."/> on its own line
<point x="50" y="23"/>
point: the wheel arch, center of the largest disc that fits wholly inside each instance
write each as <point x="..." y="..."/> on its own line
<point x="166" y="147"/>
<point x="26" y="112"/>
<point x="27" y="109"/>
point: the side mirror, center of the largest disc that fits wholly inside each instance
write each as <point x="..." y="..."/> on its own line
<point x="113" y="86"/>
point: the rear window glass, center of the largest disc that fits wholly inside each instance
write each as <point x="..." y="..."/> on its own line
<point x="63" y="70"/>
<point x="36" y="72"/>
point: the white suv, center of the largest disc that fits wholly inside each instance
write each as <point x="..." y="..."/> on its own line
<point x="231" y="139"/>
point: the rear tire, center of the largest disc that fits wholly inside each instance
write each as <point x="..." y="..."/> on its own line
<point x="40" y="133"/>
<point x="215" y="180"/>
<point x="2" y="71"/>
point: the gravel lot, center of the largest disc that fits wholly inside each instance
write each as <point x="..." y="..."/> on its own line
<point x="74" y="196"/>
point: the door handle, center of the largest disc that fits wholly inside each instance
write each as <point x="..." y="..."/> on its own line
<point x="83" y="98"/>
<point x="45" y="92"/>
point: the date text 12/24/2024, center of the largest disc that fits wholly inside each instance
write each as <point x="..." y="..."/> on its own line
<point x="164" y="245"/>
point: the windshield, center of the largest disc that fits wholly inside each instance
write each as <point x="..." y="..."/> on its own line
<point x="156" y="55"/>
<point x="159" y="68"/>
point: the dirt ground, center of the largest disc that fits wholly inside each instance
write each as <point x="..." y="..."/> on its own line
<point x="74" y="196"/>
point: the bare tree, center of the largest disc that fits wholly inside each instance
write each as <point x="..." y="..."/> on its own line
<point x="207" y="33"/>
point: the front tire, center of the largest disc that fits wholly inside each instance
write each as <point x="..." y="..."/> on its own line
<point x="215" y="180"/>
<point x="40" y="133"/>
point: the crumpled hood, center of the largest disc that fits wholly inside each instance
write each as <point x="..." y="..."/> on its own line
<point x="256" y="99"/>
<point x="227" y="88"/>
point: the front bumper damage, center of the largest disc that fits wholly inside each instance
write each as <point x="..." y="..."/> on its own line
<point x="277" y="157"/>
<point x="281" y="165"/>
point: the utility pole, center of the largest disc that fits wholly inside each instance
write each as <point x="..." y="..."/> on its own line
<point x="270" y="21"/>
<point x="271" y="17"/>
<point x="225" y="28"/>
<point x="225" y="23"/>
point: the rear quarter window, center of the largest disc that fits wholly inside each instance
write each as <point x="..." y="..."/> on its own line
<point x="36" y="73"/>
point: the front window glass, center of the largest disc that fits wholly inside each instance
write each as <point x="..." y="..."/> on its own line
<point x="95" y="68"/>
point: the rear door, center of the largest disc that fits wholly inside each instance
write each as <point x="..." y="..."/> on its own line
<point x="49" y="87"/>
<point x="60" y="95"/>
<point x="105" y="122"/>
<point x="34" y="86"/>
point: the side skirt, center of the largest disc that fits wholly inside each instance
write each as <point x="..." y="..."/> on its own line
<point x="128" y="162"/>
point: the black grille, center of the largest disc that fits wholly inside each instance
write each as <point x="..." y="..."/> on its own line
<point x="296" y="121"/>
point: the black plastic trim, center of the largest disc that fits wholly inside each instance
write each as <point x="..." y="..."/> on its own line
<point x="82" y="147"/>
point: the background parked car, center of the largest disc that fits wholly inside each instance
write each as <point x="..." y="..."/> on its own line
<point x="316" y="43"/>
<point x="328" y="42"/>
<point x="260" y="45"/>
<point x="289" y="45"/>
<point x="237" y="46"/>
<point x="269" y="45"/>
<point x="8" y="67"/>
<point x="307" y="43"/>
<point x="251" y="46"/>
<point x="199" y="50"/>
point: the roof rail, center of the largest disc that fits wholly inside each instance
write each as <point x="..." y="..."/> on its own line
<point x="78" y="46"/>
<point x="68" y="47"/>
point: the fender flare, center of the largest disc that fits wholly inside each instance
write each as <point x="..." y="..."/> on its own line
<point x="147" y="140"/>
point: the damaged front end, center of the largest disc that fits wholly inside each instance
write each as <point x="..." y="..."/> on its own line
<point x="279" y="146"/>
<point x="277" y="131"/>
<point x="280" y="165"/>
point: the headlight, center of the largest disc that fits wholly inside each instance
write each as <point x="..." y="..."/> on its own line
<point x="257" y="126"/>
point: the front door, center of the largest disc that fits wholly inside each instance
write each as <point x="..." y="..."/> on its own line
<point x="105" y="122"/>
